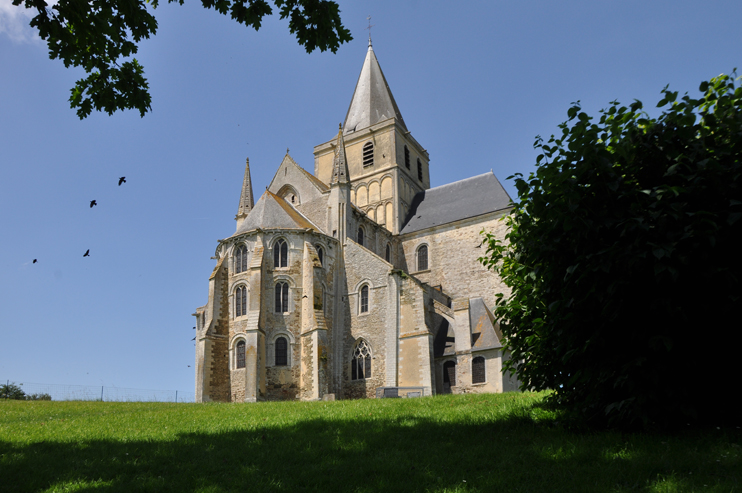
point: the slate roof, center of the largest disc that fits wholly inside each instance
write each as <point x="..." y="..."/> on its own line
<point x="482" y="323"/>
<point x="462" y="199"/>
<point x="372" y="100"/>
<point x="272" y="212"/>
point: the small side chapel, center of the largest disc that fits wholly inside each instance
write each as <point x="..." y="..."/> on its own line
<point x="356" y="280"/>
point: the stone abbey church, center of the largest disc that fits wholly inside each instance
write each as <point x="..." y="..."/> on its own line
<point x="357" y="280"/>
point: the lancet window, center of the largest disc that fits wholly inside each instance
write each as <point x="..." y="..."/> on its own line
<point x="240" y="301"/>
<point x="282" y="352"/>
<point x="240" y="356"/>
<point x="364" y="299"/>
<point x="282" y="297"/>
<point x="240" y="259"/>
<point x="280" y="254"/>
<point x="478" y="370"/>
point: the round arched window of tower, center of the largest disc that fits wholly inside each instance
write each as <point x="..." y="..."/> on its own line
<point x="422" y="258"/>
<point x="361" y="235"/>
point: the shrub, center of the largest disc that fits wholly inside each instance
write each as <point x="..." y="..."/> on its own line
<point x="623" y="257"/>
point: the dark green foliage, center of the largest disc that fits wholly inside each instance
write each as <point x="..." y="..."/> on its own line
<point x="38" y="397"/>
<point x="12" y="391"/>
<point x="623" y="256"/>
<point x="101" y="36"/>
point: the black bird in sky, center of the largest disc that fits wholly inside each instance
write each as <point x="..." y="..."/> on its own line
<point x="87" y="253"/>
<point x="93" y="203"/>
<point x="122" y="180"/>
<point x="34" y="261"/>
<point x="193" y="339"/>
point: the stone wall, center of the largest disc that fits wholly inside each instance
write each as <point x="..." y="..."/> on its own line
<point x="453" y="250"/>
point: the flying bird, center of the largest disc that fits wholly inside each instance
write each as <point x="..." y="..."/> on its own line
<point x="122" y="180"/>
<point x="193" y="339"/>
<point x="34" y="261"/>
<point x="87" y="253"/>
<point x="93" y="203"/>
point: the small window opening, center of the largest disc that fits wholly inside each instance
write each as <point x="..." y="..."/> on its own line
<point x="407" y="157"/>
<point x="422" y="258"/>
<point x="321" y="256"/>
<point x="388" y="256"/>
<point x="419" y="170"/>
<point x="360" y="235"/>
<point x="364" y="299"/>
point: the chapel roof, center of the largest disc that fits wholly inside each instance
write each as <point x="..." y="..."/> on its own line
<point x="372" y="100"/>
<point x="272" y="212"/>
<point x="461" y="199"/>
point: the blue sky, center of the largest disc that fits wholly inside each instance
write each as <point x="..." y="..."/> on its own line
<point x="474" y="81"/>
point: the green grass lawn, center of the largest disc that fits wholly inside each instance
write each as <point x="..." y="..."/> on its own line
<point x="448" y="443"/>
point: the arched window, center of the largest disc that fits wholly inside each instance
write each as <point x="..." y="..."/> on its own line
<point x="449" y="376"/>
<point x="321" y="255"/>
<point x="360" y="235"/>
<point x="388" y="256"/>
<point x="240" y="259"/>
<point x="240" y="301"/>
<point x="422" y="258"/>
<point x="407" y="157"/>
<point x="364" y="299"/>
<point x="360" y="365"/>
<point x="280" y="254"/>
<point x="282" y="358"/>
<point x="477" y="370"/>
<point x="419" y="170"/>
<point x="282" y="297"/>
<point x="368" y="154"/>
<point x="240" y="354"/>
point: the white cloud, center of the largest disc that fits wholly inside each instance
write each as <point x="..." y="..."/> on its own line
<point x="14" y="23"/>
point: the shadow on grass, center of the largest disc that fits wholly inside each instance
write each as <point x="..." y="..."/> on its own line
<point x="382" y="453"/>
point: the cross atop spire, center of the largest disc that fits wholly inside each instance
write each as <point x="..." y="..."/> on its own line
<point x="369" y="30"/>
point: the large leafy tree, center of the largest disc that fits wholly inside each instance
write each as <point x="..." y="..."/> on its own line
<point x="101" y="36"/>
<point x="624" y="260"/>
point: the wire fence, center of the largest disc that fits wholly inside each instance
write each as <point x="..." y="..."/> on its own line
<point x="57" y="392"/>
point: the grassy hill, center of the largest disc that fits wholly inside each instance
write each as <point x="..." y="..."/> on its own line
<point x="448" y="443"/>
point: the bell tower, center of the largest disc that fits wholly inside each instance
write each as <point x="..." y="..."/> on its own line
<point x="386" y="165"/>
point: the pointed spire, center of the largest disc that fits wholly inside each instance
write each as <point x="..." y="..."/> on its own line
<point x="246" y="198"/>
<point x="372" y="99"/>
<point x="339" y="163"/>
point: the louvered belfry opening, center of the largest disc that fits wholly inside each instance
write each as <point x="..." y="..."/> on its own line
<point x="407" y="157"/>
<point x="282" y="352"/>
<point x="449" y="376"/>
<point x="241" y="354"/>
<point x="419" y="170"/>
<point x="478" y="370"/>
<point x="368" y="154"/>
<point x="360" y="366"/>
